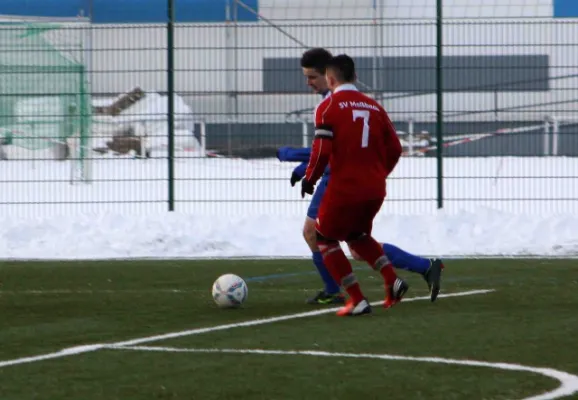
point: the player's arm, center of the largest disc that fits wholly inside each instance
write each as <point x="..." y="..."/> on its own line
<point x="292" y="154"/>
<point x="287" y="153"/>
<point x="321" y="148"/>
<point x="320" y="153"/>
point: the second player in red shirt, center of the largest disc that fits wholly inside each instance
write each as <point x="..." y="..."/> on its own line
<point x="354" y="135"/>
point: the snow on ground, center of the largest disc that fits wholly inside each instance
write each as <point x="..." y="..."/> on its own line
<point x="176" y="235"/>
<point x="233" y="207"/>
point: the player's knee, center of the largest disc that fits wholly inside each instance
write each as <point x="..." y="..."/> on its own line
<point x="354" y="237"/>
<point x="309" y="233"/>
<point x="355" y="255"/>
<point x="325" y="240"/>
<point x="352" y="240"/>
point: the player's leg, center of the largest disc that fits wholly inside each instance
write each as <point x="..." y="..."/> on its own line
<point x="433" y="277"/>
<point x="331" y="293"/>
<point x="372" y="252"/>
<point x="401" y="259"/>
<point x="338" y="264"/>
<point x="429" y="268"/>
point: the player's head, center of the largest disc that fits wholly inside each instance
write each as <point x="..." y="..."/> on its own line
<point x="313" y="63"/>
<point x="340" y="70"/>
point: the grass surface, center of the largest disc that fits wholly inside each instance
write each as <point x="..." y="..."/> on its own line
<point x="530" y="319"/>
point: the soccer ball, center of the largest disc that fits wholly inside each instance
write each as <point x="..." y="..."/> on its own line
<point x="230" y="291"/>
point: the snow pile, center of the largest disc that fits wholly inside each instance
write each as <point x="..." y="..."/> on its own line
<point x="149" y="116"/>
<point x="174" y="235"/>
<point x="494" y="206"/>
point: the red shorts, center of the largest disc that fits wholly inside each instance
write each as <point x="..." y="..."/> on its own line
<point x="340" y="220"/>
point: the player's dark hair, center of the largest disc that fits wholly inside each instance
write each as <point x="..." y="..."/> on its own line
<point x="343" y="67"/>
<point x="316" y="58"/>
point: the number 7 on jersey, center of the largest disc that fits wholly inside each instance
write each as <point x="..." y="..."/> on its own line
<point x="365" y="134"/>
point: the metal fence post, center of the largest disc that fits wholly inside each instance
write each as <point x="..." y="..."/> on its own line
<point x="439" y="102"/>
<point x="171" y="103"/>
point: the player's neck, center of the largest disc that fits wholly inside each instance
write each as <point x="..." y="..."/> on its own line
<point x="345" y="86"/>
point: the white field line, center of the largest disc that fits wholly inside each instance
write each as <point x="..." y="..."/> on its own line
<point x="568" y="382"/>
<point x="263" y="321"/>
<point x="55" y="292"/>
<point x="50" y="292"/>
<point x="173" y="335"/>
<point x="42" y="292"/>
<point x="308" y="257"/>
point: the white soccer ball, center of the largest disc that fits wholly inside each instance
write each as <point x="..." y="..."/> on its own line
<point x="230" y="291"/>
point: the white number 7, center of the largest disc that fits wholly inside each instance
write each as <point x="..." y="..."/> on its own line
<point x="365" y="134"/>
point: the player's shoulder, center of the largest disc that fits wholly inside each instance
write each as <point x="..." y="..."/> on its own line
<point x="324" y="105"/>
<point x="357" y="99"/>
<point x="327" y="99"/>
<point x="372" y="103"/>
<point x="351" y="93"/>
<point x="370" y="100"/>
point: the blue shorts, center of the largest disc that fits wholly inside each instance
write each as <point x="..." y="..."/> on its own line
<point x="313" y="209"/>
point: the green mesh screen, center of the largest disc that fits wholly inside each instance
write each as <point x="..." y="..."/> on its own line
<point x="43" y="93"/>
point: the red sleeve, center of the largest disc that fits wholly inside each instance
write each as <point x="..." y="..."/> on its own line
<point x="393" y="144"/>
<point x="322" y="144"/>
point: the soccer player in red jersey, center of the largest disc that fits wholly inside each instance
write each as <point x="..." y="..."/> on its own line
<point x="313" y="63"/>
<point x="354" y="135"/>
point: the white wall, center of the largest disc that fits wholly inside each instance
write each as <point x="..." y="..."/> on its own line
<point x="395" y="9"/>
<point x="126" y="56"/>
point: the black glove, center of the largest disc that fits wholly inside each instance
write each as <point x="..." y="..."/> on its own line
<point x="306" y="187"/>
<point x="295" y="178"/>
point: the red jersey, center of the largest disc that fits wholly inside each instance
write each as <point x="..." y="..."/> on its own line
<point x="354" y="134"/>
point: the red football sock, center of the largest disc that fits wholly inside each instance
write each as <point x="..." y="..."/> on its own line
<point x="388" y="273"/>
<point x="340" y="269"/>
<point x="372" y="252"/>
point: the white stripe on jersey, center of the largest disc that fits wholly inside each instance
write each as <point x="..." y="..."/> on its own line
<point x="323" y="133"/>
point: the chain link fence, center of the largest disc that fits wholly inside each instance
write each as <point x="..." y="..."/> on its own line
<point x="188" y="115"/>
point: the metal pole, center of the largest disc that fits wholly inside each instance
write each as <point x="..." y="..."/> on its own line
<point x="305" y="131"/>
<point x="440" y="103"/>
<point x="496" y="97"/>
<point x="555" y="135"/>
<point x="171" y="103"/>
<point x="410" y="136"/>
<point x="203" y="126"/>
<point x="235" y="86"/>
<point x="86" y="108"/>
<point x="375" y="49"/>
<point x="546" y="138"/>
<point x="229" y="80"/>
<point x="381" y="48"/>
